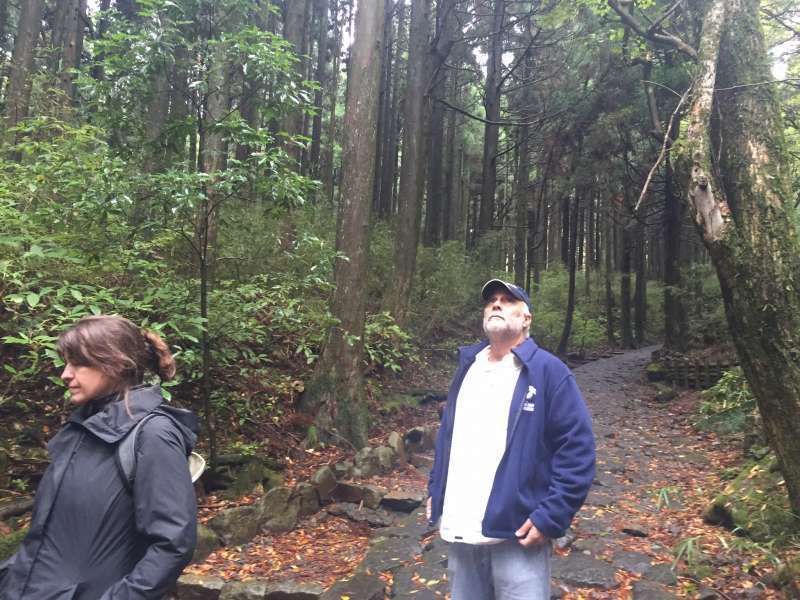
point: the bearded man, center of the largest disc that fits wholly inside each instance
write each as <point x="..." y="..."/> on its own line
<point x="515" y="457"/>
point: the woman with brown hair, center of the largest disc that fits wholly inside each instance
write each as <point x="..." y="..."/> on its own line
<point x="94" y="534"/>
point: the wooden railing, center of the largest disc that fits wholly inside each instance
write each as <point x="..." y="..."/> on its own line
<point x="693" y="374"/>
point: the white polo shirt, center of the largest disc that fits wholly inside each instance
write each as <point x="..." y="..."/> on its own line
<point x="479" y="440"/>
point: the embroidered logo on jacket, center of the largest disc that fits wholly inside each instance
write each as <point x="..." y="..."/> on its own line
<point x="528" y="406"/>
<point x="531" y="392"/>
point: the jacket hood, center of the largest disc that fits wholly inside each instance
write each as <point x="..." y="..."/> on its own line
<point x="114" y="420"/>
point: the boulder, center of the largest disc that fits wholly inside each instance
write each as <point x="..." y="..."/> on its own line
<point x="343" y="470"/>
<point x="754" y="503"/>
<point x="374" y="518"/>
<point x="198" y="587"/>
<point x="419" y="439"/>
<point x="395" y="442"/>
<point x="238" y="525"/>
<point x="403" y="500"/>
<point x="584" y="571"/>
<point x="244" y="590"/>
<point x="279" y="510"/>
<point x="367" y="462"/>
<point x="386" y="458"/>
<point x="360" y="587"/>
<point x="372" y="496"/>
<point x="207" y="542"/>
<point x="422" y="461"/>
<point x="348" y="492"/>
<point x="307" y="499"/>
<point x="291" y="590"/>
<point x="324" y="480"/>
<point x="647" y="590"/>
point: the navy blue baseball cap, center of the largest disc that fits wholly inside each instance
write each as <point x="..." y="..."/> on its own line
<point x="516" y="291"/>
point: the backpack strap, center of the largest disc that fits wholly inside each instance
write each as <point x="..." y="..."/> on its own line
<point x="125" y="456"/>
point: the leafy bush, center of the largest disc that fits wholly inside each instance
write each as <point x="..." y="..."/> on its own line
<point x="726" y="406"/>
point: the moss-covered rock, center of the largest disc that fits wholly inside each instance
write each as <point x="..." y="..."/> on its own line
<point x="655" y="371"/>
<point x="754" y="503"/>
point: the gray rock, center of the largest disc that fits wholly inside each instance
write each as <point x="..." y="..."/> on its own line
<point x="584" y="571"/>
<point x="375" y="518"/>
<point x="396" y="443"/>
<point x="207" y="542"/>
<point x="324" y="480"/>
<point x="635" y="562"/>
<point x="662" y="573"/>
<point x="372" y="496"/>
<point x="648" y="590"/>
<point x="343" y="470"/>
<point x="389" y="554"/>
<point x="238" y="525"/>
<point x="367" y="463"/>
<point x="307" y="499"/>
<point x="403" y="500"/>
<point x="279" y="510"/>
<point x="419" y="439"/>
<point x="422" y="461"/>
<point x="359" y="587"/>
<point x="565" y="541"/>
<point x="244" y="590"/>
<point x="348" y="492"/>
<point x="386" y="458"/>
<point x="198" y="587"/>
<point x="420" y="581"/>
<point x="292" y="590"/>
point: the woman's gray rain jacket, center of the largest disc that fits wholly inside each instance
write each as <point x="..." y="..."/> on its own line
<point x="91" y="538"/>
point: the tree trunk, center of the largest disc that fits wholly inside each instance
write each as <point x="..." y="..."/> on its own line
<point x="572" y="266"/>
<point x="336" y="390"/>
<point x="321" y="10"/>
<point x="412" y="168"/>
<point x="491" y="131"/>
<point x="521" y="206"/>
<point x="382" y="140"/>
<point x="294" y="20"/>
<point x="625" y="286"/>
<point x="72" y="40"/>
<point x="675" y="327"/>
<point x="212" y="161"/>
<point x="18" y="93"/>
<point x="745" y="217"/>
<point x="328" y="170"/>
<point x="640" y="290"/>
<point x="608" y="242"/>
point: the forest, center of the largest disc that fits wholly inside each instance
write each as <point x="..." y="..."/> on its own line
<point x="304" y="198"/>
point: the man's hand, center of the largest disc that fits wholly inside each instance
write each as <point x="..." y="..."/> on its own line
<point x="428" y="508"/>
<point x="528" y="535"/>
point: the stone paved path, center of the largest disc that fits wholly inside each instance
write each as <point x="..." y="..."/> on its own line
<point x="609" y="541"/>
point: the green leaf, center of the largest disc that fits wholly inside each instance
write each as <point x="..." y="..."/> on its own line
<point x="76" y="294"/>
<point x="32" y="299"/>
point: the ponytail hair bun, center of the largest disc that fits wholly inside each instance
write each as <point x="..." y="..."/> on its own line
<point x="162" y="361"/>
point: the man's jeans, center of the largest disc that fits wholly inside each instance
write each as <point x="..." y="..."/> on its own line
<point x="504" y="571"/>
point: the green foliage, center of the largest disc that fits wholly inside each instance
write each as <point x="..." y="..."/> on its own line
<point x="9" y="543"/>
<point x="726" y="406"/>
<point x="386" y="345"/>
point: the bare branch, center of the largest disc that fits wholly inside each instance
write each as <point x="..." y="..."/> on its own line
<point x="664" y="149"/>
<point x="660" y="37"/>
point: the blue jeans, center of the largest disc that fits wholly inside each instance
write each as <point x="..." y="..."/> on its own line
<point x="504" y="571"/>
